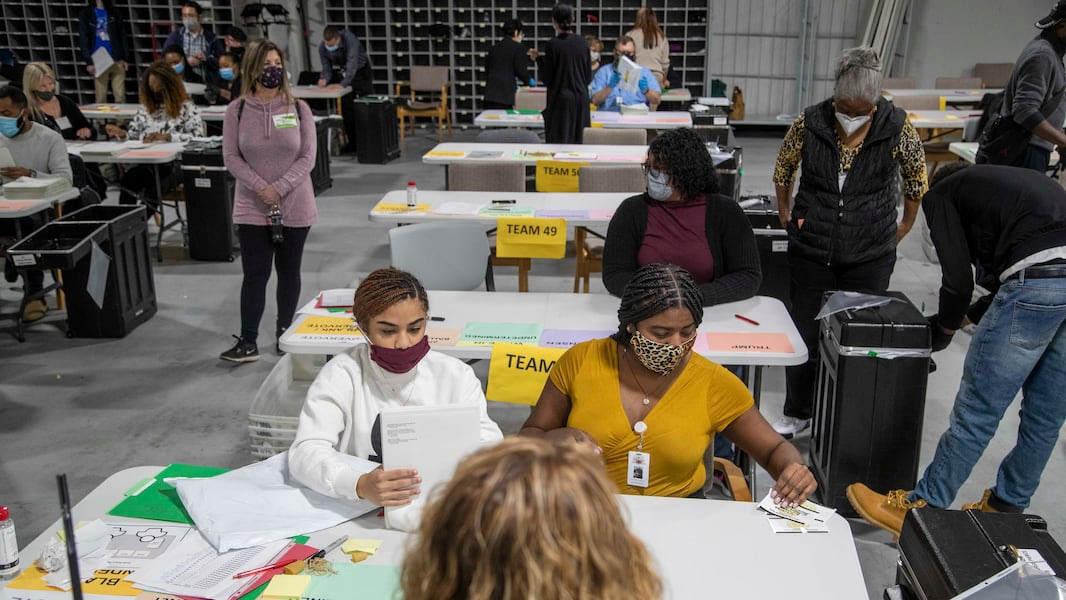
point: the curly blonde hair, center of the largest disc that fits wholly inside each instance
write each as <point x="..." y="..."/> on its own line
<point x="526" y="519"/>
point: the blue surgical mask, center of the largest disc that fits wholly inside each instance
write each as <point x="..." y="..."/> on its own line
<point x="179" y="67"/>
<point x="190" y="24"/>
<point x="226" y="74"/>
<point x="9" y="126"/>
<point x="332" y="48"/>
<point x="658" y="185"/>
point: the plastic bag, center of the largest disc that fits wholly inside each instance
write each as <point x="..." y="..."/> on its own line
<point x="630" y="73"/>
<point x="851" y="301"/>
<point x="1020" y="581"/>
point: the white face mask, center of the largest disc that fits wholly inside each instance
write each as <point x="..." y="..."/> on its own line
<point x="851" y="124"/>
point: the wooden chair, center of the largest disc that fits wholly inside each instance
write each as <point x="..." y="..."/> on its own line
<point x="733" y="480"/>
<point x="614" y="137"/>
<point x="958" y="83"/>
<point x="427" y="80"/>
<point x="588" y="245"/>
<point x="993" y="75"/>
<point x="898" y="83"/>
<point x="494" y="177"/>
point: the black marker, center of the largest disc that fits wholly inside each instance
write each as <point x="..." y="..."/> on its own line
<point x="503" y="201"/>
<point x="436" y="318"/>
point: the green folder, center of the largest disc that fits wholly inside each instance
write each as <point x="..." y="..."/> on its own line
<point x="523" y="111"/>
<point x="153" y="499"/>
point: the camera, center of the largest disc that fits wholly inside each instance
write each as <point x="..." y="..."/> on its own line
<point x="277" y="234"/>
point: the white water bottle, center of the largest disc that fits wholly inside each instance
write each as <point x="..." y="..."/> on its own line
<point x="412" y="196"/>
<point x="9" y="548"/>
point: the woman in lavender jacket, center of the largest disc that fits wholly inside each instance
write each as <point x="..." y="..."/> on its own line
<point x="269" y="146"/>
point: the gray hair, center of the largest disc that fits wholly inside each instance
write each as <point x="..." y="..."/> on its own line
<point x="858" y="75"/>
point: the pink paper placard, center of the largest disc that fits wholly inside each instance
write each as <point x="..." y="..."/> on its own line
<point x="731" y="341"/>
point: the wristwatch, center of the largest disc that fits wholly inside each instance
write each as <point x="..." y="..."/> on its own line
<point x="33" y="173"/>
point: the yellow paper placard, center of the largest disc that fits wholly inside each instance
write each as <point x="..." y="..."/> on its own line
<point x="558" y="175"/>
<point x="445" y="153"/>
<point x="517" y="372"/>
<point x="396" y="207"/>
<point x="943" y="103"/>
<point x="317" y="324"/>
<point x="524" y="237"/>
<point x="596" y="124"/>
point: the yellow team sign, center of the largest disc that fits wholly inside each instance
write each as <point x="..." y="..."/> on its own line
<point x="524" y="237"/>
<point x="319" y="324"/>
<point x="517" y="372"/>
<point x="558" y="175"/>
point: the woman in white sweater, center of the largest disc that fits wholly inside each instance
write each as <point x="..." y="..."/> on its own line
<point x="396" y="368"/>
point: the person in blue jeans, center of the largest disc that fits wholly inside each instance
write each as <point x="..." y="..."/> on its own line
<point x="605" y="91"/>
<point x="1010" y="223"/>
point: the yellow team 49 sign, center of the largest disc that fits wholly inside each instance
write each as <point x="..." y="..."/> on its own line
<point x="524" y="237"/>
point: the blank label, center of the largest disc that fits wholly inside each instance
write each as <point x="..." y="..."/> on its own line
<point x="202" y="182"/>
<point x="779" y="246"/>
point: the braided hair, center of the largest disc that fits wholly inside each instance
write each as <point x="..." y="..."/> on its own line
<point x="654" y="289"/>
<point x="682" y="154"/>
<point x="383" y="288"/>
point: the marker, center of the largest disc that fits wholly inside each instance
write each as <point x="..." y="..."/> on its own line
<point x="503" y="201"/>
<point x="330" y="548"/>
<point x="277" y="565"/>
<point x="746" y="320"/>
<point x="436" y="318"/>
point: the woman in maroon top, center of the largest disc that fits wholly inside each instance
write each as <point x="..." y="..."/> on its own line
<point x="682" y="220"/>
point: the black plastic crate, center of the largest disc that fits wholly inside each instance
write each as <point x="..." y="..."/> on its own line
<point x="378" y="141"/>
<point x="57" y="245"/>
<point x="869" y="399"/>
<point x="209" y="202"/>
<point x="129" y="295"/>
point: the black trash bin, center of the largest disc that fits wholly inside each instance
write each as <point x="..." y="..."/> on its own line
<point x="122" y="234"/>
<point x="729" y="164"/>
<point x="209" y="202"/>
<point x="378" y="141"/>
<point x="321" y="179"/>
<point x="870" y="399"/>
<point x="772" y="243"/>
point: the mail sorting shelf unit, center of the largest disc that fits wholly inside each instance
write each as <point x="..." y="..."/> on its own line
<point x="401" y="34"/>
<point x="47" y="31"/>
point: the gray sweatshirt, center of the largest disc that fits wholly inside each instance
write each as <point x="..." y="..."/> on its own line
<point x="40" y="149"/>
<point x="1037" y="76"/>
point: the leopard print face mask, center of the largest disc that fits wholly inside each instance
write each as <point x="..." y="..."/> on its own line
<point x="657" y="357"/>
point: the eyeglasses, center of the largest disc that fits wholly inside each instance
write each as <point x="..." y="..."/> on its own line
<point x="650" y="169"/>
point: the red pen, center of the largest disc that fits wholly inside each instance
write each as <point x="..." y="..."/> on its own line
<point x="277" y="565"/>
<point x="747" y="320"/>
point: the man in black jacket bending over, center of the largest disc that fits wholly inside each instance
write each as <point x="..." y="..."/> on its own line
<point x="1010" y="224"/>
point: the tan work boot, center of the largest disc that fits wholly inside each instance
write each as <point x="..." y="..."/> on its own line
<point x="982" y="504"/>
<point x="884" y="510"/>
<point x="34" y="311"/>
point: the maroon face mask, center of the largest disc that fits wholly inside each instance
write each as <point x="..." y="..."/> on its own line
<point x="399" y="360"/>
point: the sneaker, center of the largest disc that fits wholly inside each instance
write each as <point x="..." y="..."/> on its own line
<point x="883" y="510"/>
<point x="34" y="311"/>
<point x="277" y="348"/>
<point x="241" y="352"/>
<point x="789" y="426"/>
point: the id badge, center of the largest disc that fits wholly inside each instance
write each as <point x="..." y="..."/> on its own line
<point x="638" y="471"/>
<point x="63" y="123"/>
<point x="284" y="121"/>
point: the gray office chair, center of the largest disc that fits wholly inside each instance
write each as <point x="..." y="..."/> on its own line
<point x="614" y="137"/>
<point x="443" y="256"/>
<point x="898" y="83"/>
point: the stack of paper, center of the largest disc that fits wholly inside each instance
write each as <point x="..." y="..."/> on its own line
<point x="29" y="188"/>
<point x="807" y="517"/>
<point x="635" y="109"/>
<point x="103" y="148"/>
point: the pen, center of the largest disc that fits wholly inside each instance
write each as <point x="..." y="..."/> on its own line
<point x="330" y="548"/>
<point x="503" y="201"/>
<point x="277" y="565"/>
<point x="746" y="320"/>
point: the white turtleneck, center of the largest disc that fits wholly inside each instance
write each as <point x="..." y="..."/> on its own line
<point x="346" y="398"/>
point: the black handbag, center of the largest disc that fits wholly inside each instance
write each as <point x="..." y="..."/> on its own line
<point x="1004" y="141"/>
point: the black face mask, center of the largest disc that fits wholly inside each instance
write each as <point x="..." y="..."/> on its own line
<point x="44" y="96"/>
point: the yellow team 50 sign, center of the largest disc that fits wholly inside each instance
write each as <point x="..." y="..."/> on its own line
<point x="523" y="237"/>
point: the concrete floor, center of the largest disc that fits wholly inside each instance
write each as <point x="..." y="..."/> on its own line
<point x="90" y="407"/>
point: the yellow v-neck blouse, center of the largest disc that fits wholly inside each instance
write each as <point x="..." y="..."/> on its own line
<point x="703" y="400"/>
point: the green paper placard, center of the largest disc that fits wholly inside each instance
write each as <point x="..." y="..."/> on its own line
<point x="160" y="501"/>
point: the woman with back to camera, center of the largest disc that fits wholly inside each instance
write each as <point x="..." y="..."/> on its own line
<point x="269" y="145"/>
<point x="527" y="519"/>
<point x="842" y="230"/>
<point x="653" y="51"/>
<point x="507" y="63"/>
<point x="166" y="114"/>
<point x="670" y="402"/>
<point x="394" y="368"/>
<point x="566" y="72"/>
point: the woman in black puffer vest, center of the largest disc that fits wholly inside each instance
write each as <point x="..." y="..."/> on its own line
<point x="842" y="230"/>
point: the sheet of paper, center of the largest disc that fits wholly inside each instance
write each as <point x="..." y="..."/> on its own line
<point x="574" y="156"/>
<point x="287" y="586"/>
<point x="372" y="582"/>
<point x="457" y="208"/>
<point x="782" y="525"/>
<point x="451" y="153"/>
<point x="443" y="336"/>
<point x="601" y="215"/>
<point x="807" y="514"/>
<point x="564" y="338"/>
<point x="485" y="154"/>
<point x="99" y="265"/>
<point x="396" y="207"/>
<point x="555" y="213"/>
<point x="506" y="210"/>
<point x="733" y="341"/>
<point x="361" y="545"/>
<point x="486" y="334"/>
<point x="5" y="158"/>
<point x="431" y="439"/>
<point x="194" y="568"/>
<point x="337" y="297"/>
<point x="329" y="325"/>
<point x="102" y="61"/>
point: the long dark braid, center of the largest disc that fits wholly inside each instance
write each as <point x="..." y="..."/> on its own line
<point x="653" y="289"/>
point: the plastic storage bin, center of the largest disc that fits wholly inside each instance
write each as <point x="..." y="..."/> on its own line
<point x="321" y="179"/>
<point x="275" y="410"/>
<point x="129" y="298"/>
<point x="772" y="243"/>
<point x="378" y="141"/>
<point x="209" y="202"/>
<point x="869" y="400"/>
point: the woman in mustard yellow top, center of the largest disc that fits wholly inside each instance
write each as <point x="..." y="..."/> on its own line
<point x="652" y="407"/>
